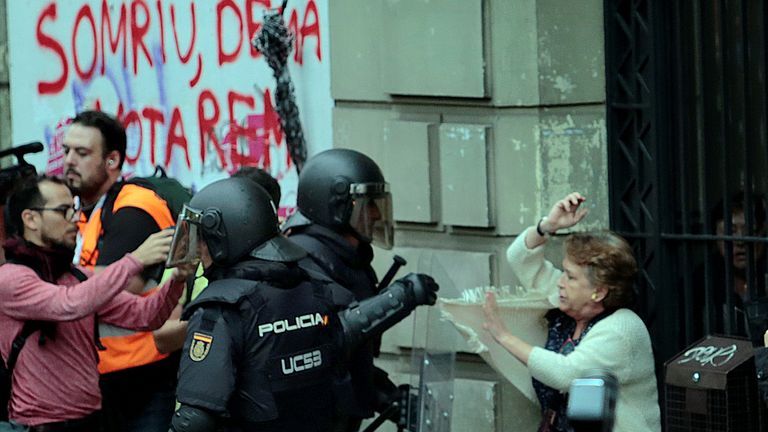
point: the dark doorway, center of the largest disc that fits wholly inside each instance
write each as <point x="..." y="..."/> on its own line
<point x="687" y="119"/>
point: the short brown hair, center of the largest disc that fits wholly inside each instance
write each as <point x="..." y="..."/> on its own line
<point x="609" y="262"/>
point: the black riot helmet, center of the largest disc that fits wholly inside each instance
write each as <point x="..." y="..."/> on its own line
<point x="344" y="190"/>
<point x="235" y="217"/>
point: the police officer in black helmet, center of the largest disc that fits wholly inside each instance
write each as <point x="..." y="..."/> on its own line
<point x="264" y="340"/>
<point x="344" y="206"/>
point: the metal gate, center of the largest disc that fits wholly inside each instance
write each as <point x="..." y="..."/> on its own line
<point x="687" y="119"/>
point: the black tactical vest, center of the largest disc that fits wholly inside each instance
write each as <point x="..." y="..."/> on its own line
<point x="285" y="344"/>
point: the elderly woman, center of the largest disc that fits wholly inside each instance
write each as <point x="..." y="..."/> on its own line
<point x="591" y="327"/>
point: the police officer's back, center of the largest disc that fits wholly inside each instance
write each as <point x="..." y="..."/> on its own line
<point x="263" y="338"/>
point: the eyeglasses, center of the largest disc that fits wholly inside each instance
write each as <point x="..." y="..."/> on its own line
<point x="68" y="212"/>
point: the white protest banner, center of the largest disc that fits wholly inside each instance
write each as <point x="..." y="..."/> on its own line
<point x="182" y="76"/>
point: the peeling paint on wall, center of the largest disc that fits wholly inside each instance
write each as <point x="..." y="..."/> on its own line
<point x="567" y="71"/>
<point x="573" y="157"/>
<point x="465" y="133"/>
<point x="565" y="85"/>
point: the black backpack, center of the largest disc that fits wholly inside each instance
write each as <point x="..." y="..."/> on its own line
<point x="6" y="368"/>
<point x="168" y="188"/>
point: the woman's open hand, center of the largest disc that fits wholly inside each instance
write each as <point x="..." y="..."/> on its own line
<point x="493" y="322"/>
<point x="516" y="346"/>
<point x="565" y="213"/>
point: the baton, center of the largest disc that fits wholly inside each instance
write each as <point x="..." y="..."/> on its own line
<point x="398" y="262"/>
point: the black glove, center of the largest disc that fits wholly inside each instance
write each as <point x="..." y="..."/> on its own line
<point x="423" y="288"/>
<point x="372" y="316"/>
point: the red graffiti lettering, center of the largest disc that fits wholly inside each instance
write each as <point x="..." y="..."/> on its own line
<point x="228" y="57"/>
<point x="131" y="120"/>
<point x="293" y="26"/>
<point x="236" y="131"/>
<point x="155" y="116"/>
<point x="46" y="41"/>
<point x="120" y="111"/>
<point x="258" y="147"/>
<point x="85" y="12"/>
<point x="176" y="137"/>
<point x="106" y="27"/>
<point x="159" y="5"/>
<point x="138" y="31"/>
<point x="193" y="21"/>
<point x="310" y="27"/>
<point x="207" y="124"/>
<point x="199" y="72"/>
<point x="271" y="121"/>
<point x="123" y="20"/>
<point x="234" y="98"/>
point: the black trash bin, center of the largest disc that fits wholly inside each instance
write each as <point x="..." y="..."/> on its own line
<point x="712" y="386"/>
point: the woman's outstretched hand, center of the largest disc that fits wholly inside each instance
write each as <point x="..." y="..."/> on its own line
<point x="493" y="322"/>
<point x="565" y="213"/>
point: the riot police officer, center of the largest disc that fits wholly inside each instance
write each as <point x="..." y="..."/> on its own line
<point x="264" y="340"/>
<point x="344" y="206"/>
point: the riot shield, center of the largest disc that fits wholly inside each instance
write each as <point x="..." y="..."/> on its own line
<point x="521" y="311"/>
<point x="454" y="326"/>
<point x="435" y="386"/>
<point x="433" y="361"/>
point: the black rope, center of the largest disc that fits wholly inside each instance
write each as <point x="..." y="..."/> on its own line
<point x="275" y="42"/>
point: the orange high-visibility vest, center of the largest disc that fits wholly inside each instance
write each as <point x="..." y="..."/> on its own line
<point x="125" y="348"/>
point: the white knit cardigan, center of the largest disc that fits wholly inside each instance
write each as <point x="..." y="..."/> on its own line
<point x="619" y="343"/>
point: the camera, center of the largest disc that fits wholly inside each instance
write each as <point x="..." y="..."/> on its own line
<point x="13" y="175"/>
<point x="592" y="402"/>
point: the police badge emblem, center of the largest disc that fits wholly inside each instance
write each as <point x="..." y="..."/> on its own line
<point x="201" y="344"/>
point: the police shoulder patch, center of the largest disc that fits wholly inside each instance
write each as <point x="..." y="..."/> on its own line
<point x="201" y="344"/>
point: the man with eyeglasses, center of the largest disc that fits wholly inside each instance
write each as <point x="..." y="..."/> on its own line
<point x="55" y="377"/>
<point x="138" y="368"/>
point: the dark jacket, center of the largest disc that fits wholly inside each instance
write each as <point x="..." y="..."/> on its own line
<point x="742" y="325"/>
<point x="350" y="267"/>
<point x="262" y="349"/>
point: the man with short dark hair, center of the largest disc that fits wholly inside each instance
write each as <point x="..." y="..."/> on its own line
<point x="138" y="375"/>
<point x="263" y="179"/>
<point x="55" y="378"/>
<point x="738" y="287"/>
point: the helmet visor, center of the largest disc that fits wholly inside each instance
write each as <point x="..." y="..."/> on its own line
<point x="371" y="216"/>
<point x="184" y="246"/>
